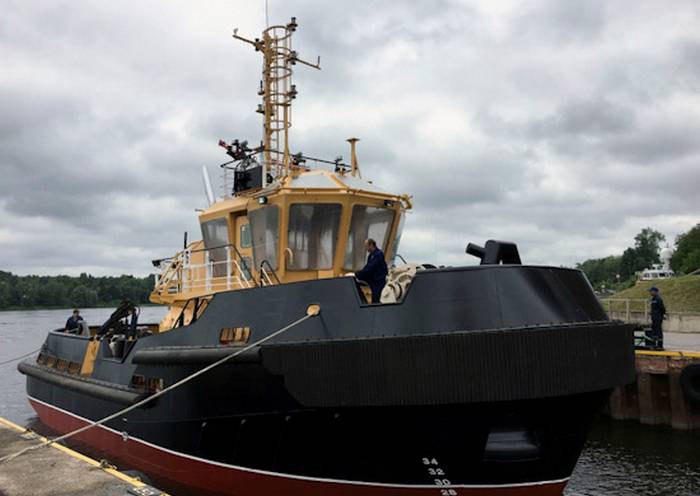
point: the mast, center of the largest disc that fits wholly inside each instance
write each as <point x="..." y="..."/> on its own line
<point x="277" y="93"/>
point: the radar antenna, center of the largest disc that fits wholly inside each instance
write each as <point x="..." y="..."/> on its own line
<point x="277" y="92"/>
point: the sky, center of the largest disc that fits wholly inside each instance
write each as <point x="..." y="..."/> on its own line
<point x="565" y="126"/>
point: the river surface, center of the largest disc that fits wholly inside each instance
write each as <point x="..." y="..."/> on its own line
<point x="620" y="458"/>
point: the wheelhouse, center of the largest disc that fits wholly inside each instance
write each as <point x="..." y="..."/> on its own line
<point x="311" y="225"/>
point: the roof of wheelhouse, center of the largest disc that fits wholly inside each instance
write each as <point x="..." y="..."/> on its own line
<point x="322" y="181"/>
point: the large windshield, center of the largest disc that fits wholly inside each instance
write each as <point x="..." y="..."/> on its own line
<point x="399" y="233"/>
<point x="215" y="236"/>
<point x="367" y="222"/>
<point x="264" y="226"/>
<point x="313" y="235"/>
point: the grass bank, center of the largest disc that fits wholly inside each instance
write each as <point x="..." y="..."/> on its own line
<point x="680" y="294"/>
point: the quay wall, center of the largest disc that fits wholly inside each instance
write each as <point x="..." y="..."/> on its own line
<point x="657" y="398"/>
<point x="674" y="322"/>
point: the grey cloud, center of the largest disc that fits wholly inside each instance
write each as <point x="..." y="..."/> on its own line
<point x="557" y="21"/>
<point x="541" y="126"/>
<point x="688" y="63"/>
<point x="586" y="118"/>
<point x="660" y="142"/>
<point x="603" y="130"/>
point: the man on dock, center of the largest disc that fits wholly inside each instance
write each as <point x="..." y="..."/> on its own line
<point x="374" y="272"/>
<point x="658" y="310"/>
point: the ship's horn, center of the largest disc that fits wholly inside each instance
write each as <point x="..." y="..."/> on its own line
<point x="207" y="186"/>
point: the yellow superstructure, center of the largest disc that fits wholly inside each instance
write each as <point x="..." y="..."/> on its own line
<point x="279" y="221"/>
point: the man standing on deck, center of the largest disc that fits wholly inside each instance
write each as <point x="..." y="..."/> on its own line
<point x="375" y="271"/>
<point x="658" y="310"/>
<point x="74" y="322"/>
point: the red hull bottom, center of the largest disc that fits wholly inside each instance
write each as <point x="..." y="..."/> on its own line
<point x="220" y="478"/>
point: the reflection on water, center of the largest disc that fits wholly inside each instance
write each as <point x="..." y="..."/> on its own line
<point x="620" y="458"/>
<point x="629" y="459"/>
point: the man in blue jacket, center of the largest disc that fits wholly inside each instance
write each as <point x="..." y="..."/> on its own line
<point x="375" y="271"/>
<point x="74" y="322"/>
<point x="658" y="310"/>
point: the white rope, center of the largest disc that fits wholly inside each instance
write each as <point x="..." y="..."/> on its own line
<point x="19" y="357"/>
<point x="312" y="312"/>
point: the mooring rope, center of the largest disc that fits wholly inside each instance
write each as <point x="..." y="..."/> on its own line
<point x="312" y="311"/>
<point x="19" y="357"/>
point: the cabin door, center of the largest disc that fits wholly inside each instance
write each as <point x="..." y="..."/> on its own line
<point x="243" y="243"/>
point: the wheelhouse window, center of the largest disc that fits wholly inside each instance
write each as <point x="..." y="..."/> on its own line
<point x="313" y="235"/>
<point x="215" y="236"/>
<point x="366" y="222"/>
<point x="399" y="234"/>
<point x="245" y="236"/>
<point x="264" y="226"/>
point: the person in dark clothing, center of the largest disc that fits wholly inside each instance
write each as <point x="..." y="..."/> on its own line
<point x="658" y="310"/>
<point x="375" y="271"/>
<point x="74" y="322"/>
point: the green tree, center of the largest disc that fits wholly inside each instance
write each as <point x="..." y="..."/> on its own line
<point x="82" y="296"/>
<point x="61" y="291"/>
<point x="601" y="271"/>
<point x="686" y="257"/>
<point x="629" y="263"/>
<point x="646" y="247"/>
<point x="4" y="294"/>
<point x="604" y="271"/>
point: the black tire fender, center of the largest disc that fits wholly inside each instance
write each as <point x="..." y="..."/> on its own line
<point x="690" y="383"/>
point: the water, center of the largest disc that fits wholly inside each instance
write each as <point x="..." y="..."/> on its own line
<point x="620" y="458"/>
<point x="24" y="331"/>
<point x="629" y="459"/>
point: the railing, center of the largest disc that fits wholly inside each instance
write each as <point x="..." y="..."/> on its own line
<point x="629" y="307"/>
<point x="179" y="275"/>
<point x="265" y="279"/>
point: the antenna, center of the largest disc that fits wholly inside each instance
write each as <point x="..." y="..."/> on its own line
<point x="211" y="199"/>
<point x="277" y="92"/>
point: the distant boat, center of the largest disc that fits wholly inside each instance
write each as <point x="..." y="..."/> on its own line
<point x="661" y="270"/>
<point x="656" y="272"/>
<point x="462" y="381"/>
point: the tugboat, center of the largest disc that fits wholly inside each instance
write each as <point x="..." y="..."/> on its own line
<point x="473" y="380"/>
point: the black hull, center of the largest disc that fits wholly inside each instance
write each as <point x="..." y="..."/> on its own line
<point x="539" y="439"/>
<point x="366" y="394"/>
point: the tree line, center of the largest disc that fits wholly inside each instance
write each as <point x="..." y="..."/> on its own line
<point x="613" y="272"/>
<point x="18" y="292"/>
<point x="620" y="271"/>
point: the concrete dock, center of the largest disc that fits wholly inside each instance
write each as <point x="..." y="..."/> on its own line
<point x="58" y="471"/>
<point x="686" y="341"/>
